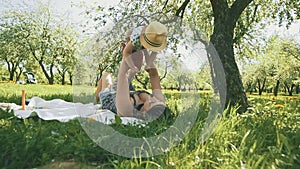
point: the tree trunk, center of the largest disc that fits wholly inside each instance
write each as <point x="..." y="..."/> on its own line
<point x="276" y="88"/>
<point x="71" y="78"/>
<point x="11" y="75"/>
<point x="63" y="78"/>
<point x="297" y="89"/>
<point x="11" y="70"/>
<point x="18" y="75"/>
<point x="222" y="38"/>
<point x="49" y="78"/>
<point x="225" y="19"/>
<point x="62" y="74"/>
<point x="289" y="88"/>
<point x="261" y="86"/>
<point x="51" y="82"/>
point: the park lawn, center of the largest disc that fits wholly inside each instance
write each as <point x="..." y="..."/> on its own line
<point x="268" y="136"/>
<point x="12" y="93"/>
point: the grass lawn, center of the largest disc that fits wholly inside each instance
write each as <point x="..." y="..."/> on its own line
<point x="267" y="136"/>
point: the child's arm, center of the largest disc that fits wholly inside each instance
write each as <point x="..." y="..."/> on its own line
<point x="127" y="36"/>
<point x="127" y="57"/>
<point x="150" y="59"/>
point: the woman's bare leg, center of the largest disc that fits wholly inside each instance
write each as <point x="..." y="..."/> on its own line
<point x="98" y="90"/>
<point x="104" y="82"/>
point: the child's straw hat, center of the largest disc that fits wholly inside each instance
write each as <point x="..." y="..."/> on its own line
<point x="155" y="36"/>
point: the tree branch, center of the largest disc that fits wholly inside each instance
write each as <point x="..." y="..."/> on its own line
<point x="237" y="8"/>
<point x="143" y="83"/>
<point x="166" y="3"/>
<point x="182" y="8"/>
<point x="254" y="14"/>
<point x="251" y="21"/>
<point x="165" y="73"/>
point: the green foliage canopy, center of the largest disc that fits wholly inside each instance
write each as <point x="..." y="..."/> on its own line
<point x="38" y="36"/>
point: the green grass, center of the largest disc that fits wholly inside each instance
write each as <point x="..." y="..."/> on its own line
<point x="268" y="136"/>
<point x="12" y="93"/>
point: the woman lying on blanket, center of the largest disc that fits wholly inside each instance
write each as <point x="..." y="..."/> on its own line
<point x="140" y="104"/>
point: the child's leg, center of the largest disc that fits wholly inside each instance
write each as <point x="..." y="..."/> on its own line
<point x="137" y="59"/>
<point x="127" y="52"/>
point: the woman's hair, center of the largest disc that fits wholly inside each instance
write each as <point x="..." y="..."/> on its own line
<point x="155" y="112"/>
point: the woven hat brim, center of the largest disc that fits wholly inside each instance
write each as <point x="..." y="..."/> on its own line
<point x="152" y="48"/>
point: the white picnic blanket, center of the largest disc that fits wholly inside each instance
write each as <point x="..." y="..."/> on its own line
<point x="64" y="111"/>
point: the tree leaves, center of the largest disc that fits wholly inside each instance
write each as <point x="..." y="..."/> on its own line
<point x="37" y="35"/>
<point x="276" y="64"/>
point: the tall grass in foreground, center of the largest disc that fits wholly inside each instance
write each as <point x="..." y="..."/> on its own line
<point x="268" y="136"/>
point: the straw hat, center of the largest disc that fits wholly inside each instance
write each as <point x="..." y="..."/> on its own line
<point x="155" y="36"/>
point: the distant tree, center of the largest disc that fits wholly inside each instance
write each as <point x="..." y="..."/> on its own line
<point x="65" y="47"/>
<point x="276" y="65"/>
<point x="39" y="25"/>
<point x="289" y="68"/>
<point x="12" y="50"/>
<point x="49" y="44"/>
<point x="203" y="77"/>
<point x="100" y="58"/>
<point x="255" y="76"/>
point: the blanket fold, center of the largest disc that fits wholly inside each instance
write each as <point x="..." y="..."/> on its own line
<point x="64" y="111"/>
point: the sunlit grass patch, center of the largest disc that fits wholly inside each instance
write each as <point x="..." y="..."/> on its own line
<point x="267" y="136"/>
<point x="12" y="93"/>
